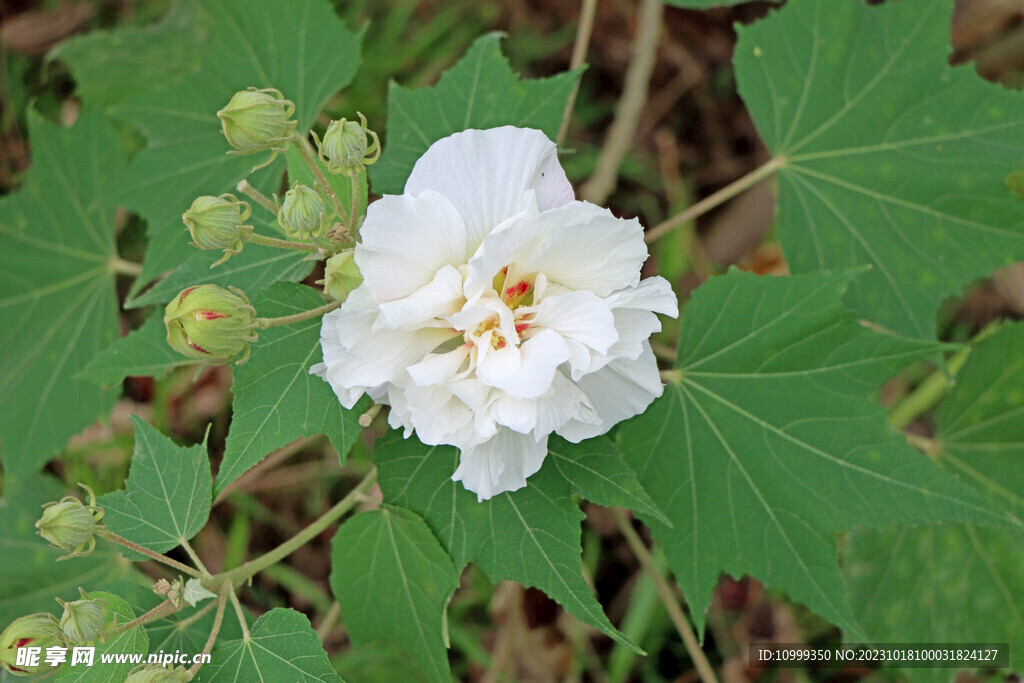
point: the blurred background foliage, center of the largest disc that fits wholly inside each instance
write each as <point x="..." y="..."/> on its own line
<point x="694" y="137"/>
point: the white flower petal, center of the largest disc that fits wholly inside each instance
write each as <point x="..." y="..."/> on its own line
<point x="439" y="298"/>
<point x="532" y="375"/>
<point x="500" y="464"/>
<point x="438" y="368"/>
<point x="484" y="173"/>
<point x="580" y="316"/>
<point x="620" y="390"/>
<point x="406" y="240"/>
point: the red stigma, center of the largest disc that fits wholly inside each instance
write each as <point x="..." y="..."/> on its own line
<point x="522" y="327"/>
<point x="517" y="290"/>
<point x="22" y="642"/>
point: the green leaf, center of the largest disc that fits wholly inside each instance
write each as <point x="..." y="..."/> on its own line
<point x="282" y="646"/>
<point x="765" y="445"/>
<point x="595" y="469"/>
<point x="531" y="535"/>
<point x="133" y="641"/>
<point x="256" y="268"/>
<point x="30" y="575"/>
<point x="393" y="581"/>
<point x="166" y="500"/>
<point x="110" y="65"/>
<point x="480" y="91"/>
<point x="57" y="297"/>
<point x="144" y="352"/>
<point x="958" y="582"/>
<point x="890" y="156"/>
<point x="301" y="49"/>
<point x="276" y="399"/>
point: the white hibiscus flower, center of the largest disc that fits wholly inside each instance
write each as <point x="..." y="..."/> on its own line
<point x="496" y="310"/>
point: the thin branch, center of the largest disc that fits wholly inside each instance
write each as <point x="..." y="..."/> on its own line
<point x="668" y="597"/>
<point x="622" y="132"/>
<point x="579" y="53"/>
<point x="720" y="197"/>
<point x="327" y="624"/>
<point x="121" y="267"/>
<point x="247" y="189"/>
<point x="120" y="540"/>
<point x="218" y="620"/>
<point x="264" y="323"/>
<point x="239" y="613"/>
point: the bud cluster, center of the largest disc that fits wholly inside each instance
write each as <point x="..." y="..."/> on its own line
<point x="258" y="121"/>
<point x="218" y="223"/>
<point x="303" y="214"/>
<point x="349" y="147"/>
<point x="70" y="524"/>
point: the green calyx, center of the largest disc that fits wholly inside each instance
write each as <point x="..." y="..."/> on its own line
<point x="258" y="121"/>
<point x="83" y="620"/>
<point x="218" y="223"/>
<point x="341" y="275"/>
<point x="348" y="147"/>
<point x="70" y="524"/>
<point x="303" y="213"/>
<point x="209" y="323"/>
<point x="34" y="630"/>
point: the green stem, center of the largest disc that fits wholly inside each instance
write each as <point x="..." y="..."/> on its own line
<point x="120" y="540"/>
<point x="935" y="386"/>
<point x="239" y="613"/>
<point x="218" y="620"/>
<point x="248" y="190"/>
<point x="240" y="574"/>
<point x="720" y="197"/>
<point x="195" y="558"/>
<point x="264" y="323"/>
<point x="309" y="155"/>
<point x="188" y="621"/>
<point x="675" y="612"/>
<point x="122" y="267"/>
<point x="162" y="610"/>
<point x="278" y="243"/>
<point x="357" y="210"/>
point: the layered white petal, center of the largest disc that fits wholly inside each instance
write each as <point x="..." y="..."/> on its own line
<point x="485" y="173"/>
<point x="500" y="464"/>
<point x="621" y="389"/>
<point x="525" y="372"/>
<point x="406" y="240"/>
<point x="439" y="298"/>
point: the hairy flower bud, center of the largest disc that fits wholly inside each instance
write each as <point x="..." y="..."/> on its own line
<point x="34" y="630"/>
<point x="83" y="620"/>
<point x="70" y="524"/>
<point x="258" y="120"/>
<point x="303" y="212"/>
<point x="155" y="673"/>
<point x="341" y="275"/>
<point x="349" y="147"/>
<point x="207" y="322"/>
<point x="218" y="223"/>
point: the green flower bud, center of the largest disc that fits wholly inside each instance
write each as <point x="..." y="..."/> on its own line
<point x="303" y="212"/>
<point x="209" y="323"/>
<point x="218" y="223"/>
<point x="83" y="620"/>
<point x="341" y="275"/>
<point x="258" y="120"/>
<point x="349" y="147"/>
<point x="34" y="630"/>
<point x="154" y="673"/>
<point x="70" y="524"/>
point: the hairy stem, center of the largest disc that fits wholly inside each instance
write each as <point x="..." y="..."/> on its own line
<point x="622" y="132"/>
<point x="720" y="197"/>
<point x="162" y="610"/>
<point x="278" y="243"/>
<point x="579" y="53"/>
<point x="675" y="612"/>
<point x="264" y="323"/>
<point x="240" y="574"/>
<point x="121" y="267"/>
<point x="239" y="613"/>
<point x="218" y="620"/>
<point x="310" y="157"/>
<point x="120" y="540"/>
<point x="194" y="557"/>
<point x="248" y="190"/>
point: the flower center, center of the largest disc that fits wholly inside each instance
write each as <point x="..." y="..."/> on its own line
<point x="515" y="293"/>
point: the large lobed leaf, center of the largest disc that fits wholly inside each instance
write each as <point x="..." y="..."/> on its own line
<point x="480" y="91"/>
<point x="958" y="582"/>
<point x="531" y="535"/>
<point x="765" y="445"/>
<point x="393" y="581"/>
<point x="144" y="352"/>
<point x="276" y="399"/>
<point x="57" y="301"/>
<point x="281" y="646"/>
<point x="302" y="49"/>
<point x="166" y="500"/>
<point x="890" y="156"/>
